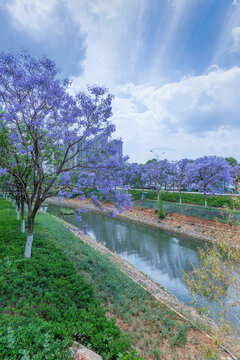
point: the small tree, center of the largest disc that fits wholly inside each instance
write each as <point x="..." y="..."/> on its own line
<point x="179" y="176"/>
<point x="161" y="213"/>
<point x="157" y="173"/>
<point x="216" y="280"/>
<point x="232" y="161"/>
<point x="139" y="176"/>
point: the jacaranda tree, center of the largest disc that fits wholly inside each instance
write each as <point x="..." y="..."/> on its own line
<point x="179" y="176"/>
<point x="209" y="174"/>
<point x="157" y="173"/>
<point x="139" y="176"/>
<point x="52" y="133"/>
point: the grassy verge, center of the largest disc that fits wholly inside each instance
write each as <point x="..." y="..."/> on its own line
<point x="45" y="304"/>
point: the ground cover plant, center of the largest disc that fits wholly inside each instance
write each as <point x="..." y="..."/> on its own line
<point x="154" y="330"/>
<point x="45" y="303"/>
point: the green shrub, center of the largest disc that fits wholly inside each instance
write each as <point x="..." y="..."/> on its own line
<point x="161" y="213"/>
<point x="32" y="338"/>
<point x="195" y="199"/>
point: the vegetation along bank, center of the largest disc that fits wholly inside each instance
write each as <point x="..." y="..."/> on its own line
<point x="61" y="295"/>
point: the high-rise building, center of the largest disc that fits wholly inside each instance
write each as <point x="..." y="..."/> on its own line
<point x="99" y="145"/>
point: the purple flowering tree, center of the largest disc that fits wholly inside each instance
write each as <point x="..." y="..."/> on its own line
<point x="157" y="173"/>
<point x="235" y="171"/>
<point x="139" y="176"/>
<point x="179" y="176"/>
<point x="52" y="134"/>
<point x="209" y="174"/>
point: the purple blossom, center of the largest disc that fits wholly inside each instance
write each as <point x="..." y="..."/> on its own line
<point x="178" y="176"/>
<point x="50" y="133"/>
<point x="209" y="174"/>
<point x="112" y="213"/>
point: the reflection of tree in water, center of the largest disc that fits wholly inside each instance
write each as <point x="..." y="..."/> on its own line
<point x="156" y="248"/>
<point x="155" y="252"/>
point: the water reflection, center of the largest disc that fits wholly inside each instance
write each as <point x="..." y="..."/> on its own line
<point x="155" y="252"/>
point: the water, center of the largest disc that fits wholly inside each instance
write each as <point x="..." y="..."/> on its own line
<point x="155" y="252"/>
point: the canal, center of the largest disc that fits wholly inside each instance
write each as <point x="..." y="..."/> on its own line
<point x="155" y="252"/>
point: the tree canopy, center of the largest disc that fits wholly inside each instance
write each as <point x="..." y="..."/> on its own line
<point x="46" y="134"/>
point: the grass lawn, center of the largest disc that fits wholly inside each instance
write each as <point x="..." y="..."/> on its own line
<point x="59" y="294"/>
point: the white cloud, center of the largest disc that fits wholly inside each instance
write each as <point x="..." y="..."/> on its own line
<point x="236" y="38"/>
<point x="190" y="117"/>
<point x="195" y="116"/>
<point x="35" y="16"/>
<point x="111" y="38"/>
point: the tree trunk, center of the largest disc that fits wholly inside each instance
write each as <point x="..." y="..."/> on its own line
<point x="180" y="197"/>
<point x="158" y="194"/>
<point x="13" y="202"/>
<point x="18" y="210"/>
<point x="28" y="247"/>
<point x="23" y="217"/>
<point x="205" y="197"/>
<point x="142" y="193"/>
<point x="9" y="198"/>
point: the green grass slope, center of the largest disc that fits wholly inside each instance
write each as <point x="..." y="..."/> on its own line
<point x="45" y="304"/>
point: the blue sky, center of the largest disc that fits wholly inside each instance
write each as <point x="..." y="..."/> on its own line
<point x="173" y="65"/>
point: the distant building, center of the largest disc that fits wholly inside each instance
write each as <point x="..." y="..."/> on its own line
<point x="100" y="145"/>
<point x="117" y="147"/>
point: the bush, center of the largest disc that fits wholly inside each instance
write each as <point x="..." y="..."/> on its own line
<point x="160" y="212"/>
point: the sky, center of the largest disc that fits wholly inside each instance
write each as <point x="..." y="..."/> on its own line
<point x="172" y="65"/>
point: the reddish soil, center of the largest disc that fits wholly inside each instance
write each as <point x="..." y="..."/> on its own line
<point x="197" y="343"/>
<point x="203" y="227"/>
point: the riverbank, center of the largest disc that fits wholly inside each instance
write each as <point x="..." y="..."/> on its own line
<point x="177" y="224"/>
<point x="154" y="288"/>
<point x="48" y="301"/>
<point x="156" y="331"/>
